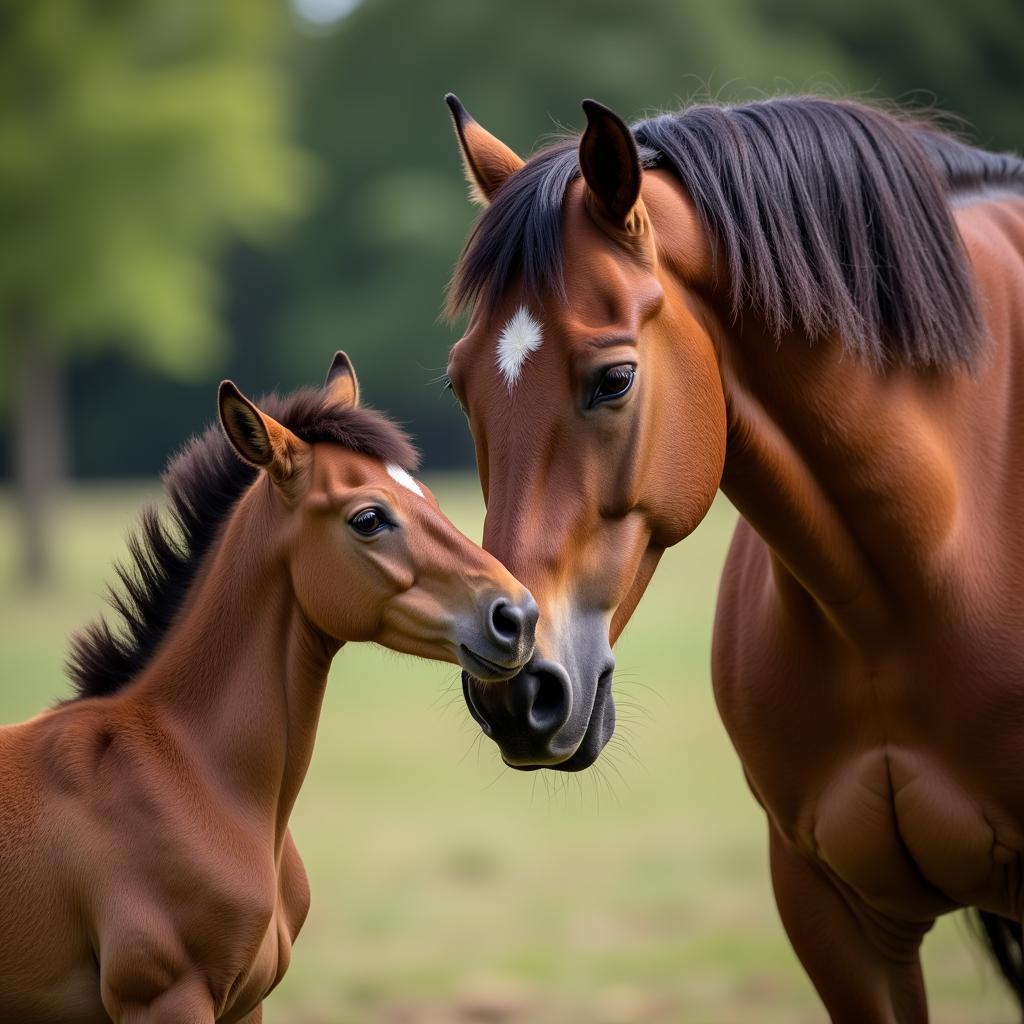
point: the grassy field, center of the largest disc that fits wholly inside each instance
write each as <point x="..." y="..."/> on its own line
<point x="448" y="889"/>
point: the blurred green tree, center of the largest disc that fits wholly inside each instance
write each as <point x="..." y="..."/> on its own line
<point x="137" y="137"/>
<point x="366" y="270"/>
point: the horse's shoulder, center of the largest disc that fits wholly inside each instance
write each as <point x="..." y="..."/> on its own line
<point x="992" y="227"/>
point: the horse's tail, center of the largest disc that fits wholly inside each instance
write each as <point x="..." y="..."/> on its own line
<point x="1004" y="941"/>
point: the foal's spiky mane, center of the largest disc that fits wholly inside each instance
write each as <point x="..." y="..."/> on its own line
<point x="203" y="484"/>
<point x="831" y="216"/>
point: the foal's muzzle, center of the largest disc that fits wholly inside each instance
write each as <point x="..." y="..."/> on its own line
<point x="495" y="644"/>
<point x="540" y="719"/>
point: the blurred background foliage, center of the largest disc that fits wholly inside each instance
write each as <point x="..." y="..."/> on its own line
<point x="137" y="139"/>
<point x="193" y="189"/>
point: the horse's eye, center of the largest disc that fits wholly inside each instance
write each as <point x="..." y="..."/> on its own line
<point x="368" y="521"/>
<point x="450" y="388"/>
<point x="617" y="380"/>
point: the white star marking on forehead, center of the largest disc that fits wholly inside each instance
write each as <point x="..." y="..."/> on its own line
<point x="519" y="337"/>
<point x="400" y="476"/>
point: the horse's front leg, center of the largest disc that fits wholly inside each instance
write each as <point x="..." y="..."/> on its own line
<point x="866" y="970"/>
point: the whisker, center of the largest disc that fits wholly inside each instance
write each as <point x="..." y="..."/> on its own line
<point x="624" y="744"/>
<point x="635" y="683"/>
<point x="474" y="744"/>
<point x="610" y="763"/>
<point x="501" y="772"/>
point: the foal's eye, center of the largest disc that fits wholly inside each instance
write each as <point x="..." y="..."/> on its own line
<point x="368" y="521"/>
<point x="617" y="380"/>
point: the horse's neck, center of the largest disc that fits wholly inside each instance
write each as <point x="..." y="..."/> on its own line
<point x="847" y="474"/>
<point x="240" y="677"/>
<point x="876" y="490"/>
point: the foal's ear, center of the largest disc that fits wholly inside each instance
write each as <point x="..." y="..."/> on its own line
<point x="258" y="438"/>
<point x="487" y="161"/>
<point x="341" y="382"/>
<point x="611" y="165"/>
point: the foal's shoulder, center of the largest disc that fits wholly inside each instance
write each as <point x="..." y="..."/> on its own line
<point x="70" y="746"/>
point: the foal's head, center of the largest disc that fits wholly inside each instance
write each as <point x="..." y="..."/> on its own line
<point x="370" y="555"/>
<point x="599" y="420"/>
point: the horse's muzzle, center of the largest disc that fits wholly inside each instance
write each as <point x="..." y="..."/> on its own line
<point x="541" y="719"/>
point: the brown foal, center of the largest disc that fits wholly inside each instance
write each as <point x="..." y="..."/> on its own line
<point x="817" y="307"/>
<point x="147" y="873"/>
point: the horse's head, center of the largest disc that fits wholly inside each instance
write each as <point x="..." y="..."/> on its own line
<point x="596" y="406"/>
<point x="369" y="552"/>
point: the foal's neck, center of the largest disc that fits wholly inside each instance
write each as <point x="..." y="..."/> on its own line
<point x="240" y="677"/>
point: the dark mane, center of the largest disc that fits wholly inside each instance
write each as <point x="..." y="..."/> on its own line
<point x="831" y="216"/>
<point x="203" y="484"/>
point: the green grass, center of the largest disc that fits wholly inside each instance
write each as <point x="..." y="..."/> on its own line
<point x="448" y="889"/>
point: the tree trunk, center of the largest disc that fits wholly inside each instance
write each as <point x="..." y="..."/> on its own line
<point x="39" y="446"/>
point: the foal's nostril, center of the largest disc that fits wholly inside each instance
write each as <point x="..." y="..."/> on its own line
<point x="508" y="624"/>
<point x="506" y="619"/>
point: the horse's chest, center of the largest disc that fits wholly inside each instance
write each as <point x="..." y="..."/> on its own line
<point x="895" y="827"/>
<point x="900" y="775"/>
<point x="895" y="812"/>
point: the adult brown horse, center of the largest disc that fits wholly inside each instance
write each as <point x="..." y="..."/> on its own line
<point x="147" y="874"/>
<point x="817" y="307"/>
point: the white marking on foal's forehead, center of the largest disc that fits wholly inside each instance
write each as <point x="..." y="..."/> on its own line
<point x="400" y="476"/>
<point x="519" y="337"/>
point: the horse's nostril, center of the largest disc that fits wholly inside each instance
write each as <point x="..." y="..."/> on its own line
<point x="525" y="715"/>
<point x="551" y="701"/>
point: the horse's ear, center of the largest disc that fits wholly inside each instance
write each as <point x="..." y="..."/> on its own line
<point x="487" y="161"/>
<point x="341" y="382"/>
<point x="258" y="438"/>
<point x="611" y="165"/>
